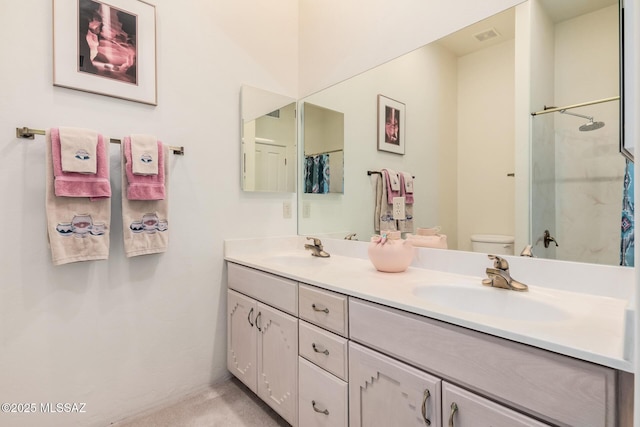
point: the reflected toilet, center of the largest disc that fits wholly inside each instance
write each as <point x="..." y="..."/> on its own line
<point x="496" y="244"/>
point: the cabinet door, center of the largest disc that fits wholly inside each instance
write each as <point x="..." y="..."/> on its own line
<point x="465" y="409"/>
<point x="384" y="392"/>
<point x="278" y="361"/>
<point x="241" y="338"/>
<point x="323" y="397"/>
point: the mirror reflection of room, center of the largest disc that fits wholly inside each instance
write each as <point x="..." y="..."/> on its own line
<point x="323" y="162"/>
<point x="468" y="142"/>
<point x="268" y="141"/>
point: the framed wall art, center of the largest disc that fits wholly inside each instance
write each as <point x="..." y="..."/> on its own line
<point x="391" y="125"/>
<point x="107" y="48"/>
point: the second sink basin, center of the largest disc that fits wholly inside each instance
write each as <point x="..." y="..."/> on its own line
<point x="521" y="306"/>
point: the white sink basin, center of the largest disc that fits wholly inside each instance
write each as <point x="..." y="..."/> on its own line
<point x="487" y="301"/>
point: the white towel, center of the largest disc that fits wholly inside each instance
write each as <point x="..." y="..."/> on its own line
<point x="78" y="150"/>
<point x="144" y="154"/>
<point x="144" y="222"/>
<point x="77" y="228"/>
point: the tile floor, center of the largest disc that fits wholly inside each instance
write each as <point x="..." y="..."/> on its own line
<point x="229" y="404"/>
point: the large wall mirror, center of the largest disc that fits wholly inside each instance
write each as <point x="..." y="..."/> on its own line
<point x="460" y="96"/>
<point x="268" y="140"/>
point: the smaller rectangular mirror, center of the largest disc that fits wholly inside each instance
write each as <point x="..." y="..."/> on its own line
<point x="268" y="140"/>
<point x="323" y="139"/>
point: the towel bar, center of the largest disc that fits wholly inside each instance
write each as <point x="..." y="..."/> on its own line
<point x="27" y="133"/>
<point x="380" y="173"/>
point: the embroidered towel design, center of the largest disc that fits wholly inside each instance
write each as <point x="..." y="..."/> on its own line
<point x="145" y="222"/>
<point x="74" y="184"/>
<point x="77" y="227"/>
<point x="144" y="154"/>
<point x="143" y="187"/>
<point x="78" y="149"/>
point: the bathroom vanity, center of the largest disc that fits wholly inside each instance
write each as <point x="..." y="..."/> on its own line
<point x="333" y="342"/>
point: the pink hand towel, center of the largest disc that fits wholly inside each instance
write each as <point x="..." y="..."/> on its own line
<point x="144" y="187"/>
<point x="74" y="184"/>
<point x="392" y="189"/>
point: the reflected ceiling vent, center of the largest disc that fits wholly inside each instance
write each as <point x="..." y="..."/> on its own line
<point x="485" y="35"/>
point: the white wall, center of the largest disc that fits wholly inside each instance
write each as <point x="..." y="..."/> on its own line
<point x="125" y="334"/>
<point x="486" y="97"/>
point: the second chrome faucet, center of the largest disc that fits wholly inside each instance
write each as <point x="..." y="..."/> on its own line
<point x="499" y="276"/>
<point x="316" y="249"/>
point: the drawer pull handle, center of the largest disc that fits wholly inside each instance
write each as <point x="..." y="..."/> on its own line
<point x="313" y="403"/>
<point x="315" y="348"/>
<point x="315" y="308"/>
<point x="258" y="317"/>
<point x="424" y="407"/>
<point x="249" y="317"/>
<point x="454" y="409"/>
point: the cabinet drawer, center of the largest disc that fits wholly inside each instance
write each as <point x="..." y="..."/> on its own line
<point x="464" y="409"/>
<point x="271" y="289"/>
<point x="322" y="397"/>
<point x="323" y="308"/>
<point x="554" y="388"/>
<point x="327" y="350"/>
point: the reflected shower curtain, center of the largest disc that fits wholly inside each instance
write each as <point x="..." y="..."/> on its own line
<point x="627" y="224"/>
<point x="316" y="174"/>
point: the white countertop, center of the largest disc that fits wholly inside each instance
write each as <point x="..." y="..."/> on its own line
<point x="591" y="325"/>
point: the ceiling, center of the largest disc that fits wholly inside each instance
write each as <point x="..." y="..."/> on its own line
<point x="463" y="42"/>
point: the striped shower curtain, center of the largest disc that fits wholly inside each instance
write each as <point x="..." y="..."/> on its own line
<point x="316" y="174"/>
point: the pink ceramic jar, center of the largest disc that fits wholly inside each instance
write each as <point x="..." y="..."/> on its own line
<point x="389" y="253"/>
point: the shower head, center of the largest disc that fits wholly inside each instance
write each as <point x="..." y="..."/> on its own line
<point x="591" y="126"/>
<point x="587" y="126"/>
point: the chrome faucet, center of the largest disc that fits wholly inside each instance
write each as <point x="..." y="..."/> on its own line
<point x="316" y="249"/>
<point x="499" y="277"/>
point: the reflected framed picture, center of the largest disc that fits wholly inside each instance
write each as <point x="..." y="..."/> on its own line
<point x="391" y="125"/>
<point x="107" y="48"/>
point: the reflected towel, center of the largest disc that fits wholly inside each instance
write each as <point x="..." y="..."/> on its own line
<point x="145" y="222"/>
<point x="78" y="150"/>
<point x="406" y="184"/>
<point x="73" y="184"/>
<point x="77" y="227"/>
<point x="143" y="187"/>
<point x="392" y="181"/>
<point x="144" y="154"/>
<point x="387" y="223"/>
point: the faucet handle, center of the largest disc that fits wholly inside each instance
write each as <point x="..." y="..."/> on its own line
<point x="316" y="241"/>
<point x="499" y="262"/>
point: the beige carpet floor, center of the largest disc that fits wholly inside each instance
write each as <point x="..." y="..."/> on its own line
<point x="229" y="404"/>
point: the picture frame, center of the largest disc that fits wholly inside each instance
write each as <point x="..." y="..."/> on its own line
<point x="391" y="125"/>
<point x="106" y="47"/>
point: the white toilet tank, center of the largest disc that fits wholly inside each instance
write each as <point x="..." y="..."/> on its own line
<point x="496" y="244"/>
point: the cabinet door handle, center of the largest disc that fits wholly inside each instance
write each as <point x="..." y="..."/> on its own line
<point x="454" y="409"/>
<point x="249" y="317"/>
<point x="315" y="348"/>
<point x="316" y="308"/>
<point x="258" y="317"/>
<point x="424" y="407"/>
<point x="313" y="403"/>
